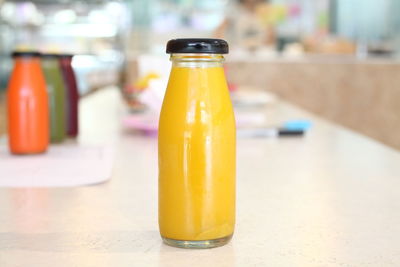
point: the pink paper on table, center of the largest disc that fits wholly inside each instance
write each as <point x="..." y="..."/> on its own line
<point x="145" y="123"/>
<point x="62" y="166"/>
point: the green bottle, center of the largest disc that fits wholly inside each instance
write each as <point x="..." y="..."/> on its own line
<point x="56" y="92"/>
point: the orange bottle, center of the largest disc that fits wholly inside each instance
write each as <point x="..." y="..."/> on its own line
<point x="27" y="103"/>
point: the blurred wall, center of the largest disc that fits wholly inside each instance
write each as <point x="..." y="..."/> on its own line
<point x="361" y="95"/>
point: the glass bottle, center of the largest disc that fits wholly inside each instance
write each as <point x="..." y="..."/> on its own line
<point x="27" y="105"/>
<point x="197" y="148"/>
<point x="56" y="93"/>
<point x="72" y="94"/>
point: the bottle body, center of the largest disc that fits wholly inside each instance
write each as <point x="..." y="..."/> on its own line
<point x="27" y="105"/>
<point x="56" y="94"/>
<point x="197" y="157"/>
<point x="72" y="96"/>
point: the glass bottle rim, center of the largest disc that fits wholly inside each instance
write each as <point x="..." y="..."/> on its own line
<point x="197" y="57"/>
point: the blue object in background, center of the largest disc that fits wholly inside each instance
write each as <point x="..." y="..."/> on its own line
<point x="297" y="125"/>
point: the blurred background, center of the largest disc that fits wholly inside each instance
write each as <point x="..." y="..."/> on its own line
<point x="336" y="58"/>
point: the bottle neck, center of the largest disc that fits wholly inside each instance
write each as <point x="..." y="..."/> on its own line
<point x="197" y="60"/>
<point x="50" y="62"/>
<point x="26" y="63"/>
<point x="27" y="60"/>
<point x="66" y="61"/>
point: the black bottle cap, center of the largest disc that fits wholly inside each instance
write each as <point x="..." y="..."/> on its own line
<point x="197" y="46"/>
<point x="25" y="54"/>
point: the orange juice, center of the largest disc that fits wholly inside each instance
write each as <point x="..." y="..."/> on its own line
<point x="27" y="101"/>
<point x="197" y="154"/>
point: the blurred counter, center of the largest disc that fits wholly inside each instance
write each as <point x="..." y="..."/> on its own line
<point x="361" y="94"/>
<point x="327" y="199"/>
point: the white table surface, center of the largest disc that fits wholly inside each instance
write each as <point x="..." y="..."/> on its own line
<point x="331" y="198"/>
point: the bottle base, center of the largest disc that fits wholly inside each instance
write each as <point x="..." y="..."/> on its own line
<point x="197" y="244"/>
